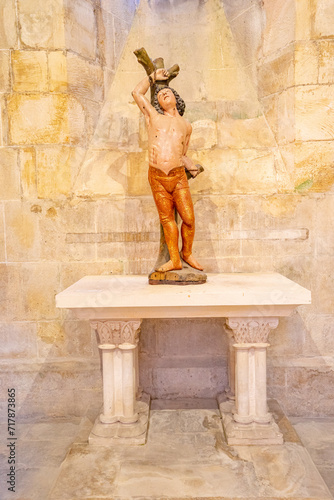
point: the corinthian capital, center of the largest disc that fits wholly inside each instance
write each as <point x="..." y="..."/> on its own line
<point x="251" y="330"/>
<point x="117" y="332"/>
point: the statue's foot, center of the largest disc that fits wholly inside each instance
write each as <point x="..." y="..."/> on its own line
<point x="169" y="266"/>
<point x="192" y="262"/>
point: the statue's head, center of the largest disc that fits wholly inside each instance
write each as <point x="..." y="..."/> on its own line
<point x="167" y="94"/>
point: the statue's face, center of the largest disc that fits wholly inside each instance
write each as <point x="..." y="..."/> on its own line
<point x="166" y="98"/>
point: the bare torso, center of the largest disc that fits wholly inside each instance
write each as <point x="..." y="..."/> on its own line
<point x="167" y="136"/>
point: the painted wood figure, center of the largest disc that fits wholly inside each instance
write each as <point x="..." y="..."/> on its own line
<point x="168" y="139"/>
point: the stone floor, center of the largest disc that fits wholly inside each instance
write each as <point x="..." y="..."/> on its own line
<point x="185" y="457"/>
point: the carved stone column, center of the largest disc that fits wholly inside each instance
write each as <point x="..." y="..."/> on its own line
<point x="249" y="422"/>
<point x="118" y="342"/>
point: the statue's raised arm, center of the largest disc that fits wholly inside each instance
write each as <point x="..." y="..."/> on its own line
<point x="141" y="89"/>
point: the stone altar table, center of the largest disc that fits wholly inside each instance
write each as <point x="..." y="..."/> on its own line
<point x="252" y="305"/>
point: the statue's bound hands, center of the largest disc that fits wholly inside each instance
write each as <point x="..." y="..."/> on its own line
<point x="160" y="74"/>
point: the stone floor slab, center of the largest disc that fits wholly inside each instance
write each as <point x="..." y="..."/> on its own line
<point x="186" y="456"/>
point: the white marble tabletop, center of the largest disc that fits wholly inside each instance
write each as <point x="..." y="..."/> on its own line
<point x="224" y="295"/>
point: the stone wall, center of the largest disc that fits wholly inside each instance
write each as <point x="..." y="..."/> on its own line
<point x="257" y="78"/>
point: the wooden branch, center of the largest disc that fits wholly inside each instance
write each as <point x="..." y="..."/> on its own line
<point x="150" y="66"/>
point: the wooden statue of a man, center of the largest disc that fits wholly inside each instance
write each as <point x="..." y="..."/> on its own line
<point x="168" y="140"/>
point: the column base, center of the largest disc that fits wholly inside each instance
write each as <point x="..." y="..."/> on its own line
<point x="248" y="434"/>
<point x="123" y="433"/>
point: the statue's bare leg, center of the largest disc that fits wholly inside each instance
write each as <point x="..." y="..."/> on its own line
<point x="165" y="206"/>
<point x="184" y="206"/>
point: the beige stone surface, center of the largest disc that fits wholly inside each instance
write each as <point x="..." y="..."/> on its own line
<point x="57" y="71"/>
<point x="323" y="19"/>
<point x="326" y="65"/>
<point x="9" y="174"/>
<point x="29" y="71"/>
<point x="42" y="24"/>
<point x="44" y="118"/>
<point x="279" y="25"/>
<point x="106" y="38"/>
<point x="28" y="172"/>
<point x="304" y="19"/>
<point x="245" y="133"/>
<point x="32" y="286"/>
<point x="5" y="81"/>
<point x="314" y="120"/>
<point x="276" y="73"/>
<point x="186" y="456"/>
<point x="313" y="166"/>
<point x="56" y="169"/>
<point x="80" y="27"/>
<point x="306" y="63"/>
<point x="8" y="33"/>
<point x="84" y="79"/>
<point x="23" y="239"/>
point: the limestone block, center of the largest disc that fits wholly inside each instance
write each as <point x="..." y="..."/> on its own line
<point x="50" y="339"/>
<point x="28" y="172"/>
<point x="314" y="115"/>
<point x="23" y="237"/>
<point x="308" y="392"/>
<point x="57" y="166"/>
<point x="276" y="74"/>
<point x="106" y="37"/>
<point x="323" y="25"/>
<point x="108" y="76"/>
<point x="323" y="287"/>
<point x="123" y="9"/>
<point x="69" y="231"/>
<point x="137" y="174"/>
<point x="320" y="329"/>
<point x="280" y="19"/>
<point x="2" y="235"/>
<point x="42" y="23"/>
<point x="122" y="29"/>
<point x="178" y="382"/>
<point x="29" y="71"/>
<point x="306" y="63"/>
<point x="57" y="71"/>
<point x="229" y="83"/>
<point x="304" y="16"/>
<point x="102" y="173"/>
<point x="8" y="33"/>
<point x="61" y="339"/>
<point x="326" y="61"/>
<point x="80" y="28"/>
<point x="39" y="119"/>
<point x="84" y="78"/>
<point x="92" y="110"/>
<point x="250" y="133"/>
<point x="233" y="171"/>
<point x="247" y="26"/>
<point x="18" y="340"/>
<point x="31" y="287"/>
<point x="188" y="337"/>
<point x="5" y="83"/>
<point x="286" y="116"/>
<point x="313" y="166"/>
<point x="9" y="174"/>
<point x="204" y="134"/>
<point x="270" y="111"/>
<point x="324" y="227"/>
<point x="3" y="120"/>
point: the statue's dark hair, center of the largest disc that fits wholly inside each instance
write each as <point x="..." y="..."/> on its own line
<point x="180" y="104"/>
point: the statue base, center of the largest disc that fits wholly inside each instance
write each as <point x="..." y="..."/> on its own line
<point x="185" y="276"/>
